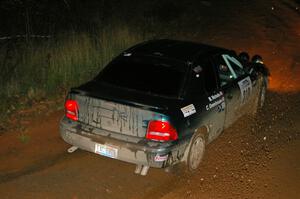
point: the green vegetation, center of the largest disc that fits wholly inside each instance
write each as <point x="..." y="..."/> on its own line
<point x="35" y="70"/>
<point x="23" y="138"/>
<point x="84" y="36"/>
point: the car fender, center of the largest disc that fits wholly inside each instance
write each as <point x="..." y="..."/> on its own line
<point x="204" y="129"/>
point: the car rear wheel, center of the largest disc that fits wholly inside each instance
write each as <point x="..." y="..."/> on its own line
<point x="196" y="152"/>
<point x="192" y="156"/>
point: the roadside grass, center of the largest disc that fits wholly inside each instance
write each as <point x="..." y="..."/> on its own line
<point x="23" y="138"/>
<point x="39" y="70"/>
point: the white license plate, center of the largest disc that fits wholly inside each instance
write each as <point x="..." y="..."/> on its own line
<point x="105" y="150"/>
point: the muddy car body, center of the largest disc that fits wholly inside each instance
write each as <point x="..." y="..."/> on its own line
<point x="160" y="102"/>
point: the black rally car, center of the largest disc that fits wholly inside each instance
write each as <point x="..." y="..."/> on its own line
<point x="160" y="102"/>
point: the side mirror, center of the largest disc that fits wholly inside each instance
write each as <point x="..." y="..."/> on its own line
<point x="259" y="65"/>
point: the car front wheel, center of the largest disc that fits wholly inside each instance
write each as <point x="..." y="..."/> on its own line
<point x="262" y="96"/>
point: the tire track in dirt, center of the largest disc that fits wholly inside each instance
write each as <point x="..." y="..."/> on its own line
<point x="31" y="169"/>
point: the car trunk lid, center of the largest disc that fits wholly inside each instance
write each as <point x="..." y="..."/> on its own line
<point x="117" y="111"/>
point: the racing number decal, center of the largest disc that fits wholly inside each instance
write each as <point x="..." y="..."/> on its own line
<point x="246" y="89"/>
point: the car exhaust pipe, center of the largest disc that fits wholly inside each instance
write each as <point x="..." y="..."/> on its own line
<point x="72" y="149"/>
<point x="145" y="170"/>
<point x="141" y="169"/>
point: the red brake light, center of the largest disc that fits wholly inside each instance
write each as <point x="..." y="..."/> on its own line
<point x="71" y="108"/>
<point x="161" y="131"/>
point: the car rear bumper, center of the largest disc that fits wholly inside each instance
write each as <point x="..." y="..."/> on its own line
<point x="142" y="152"/>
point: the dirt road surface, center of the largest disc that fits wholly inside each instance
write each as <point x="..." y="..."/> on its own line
<point x="255" y="158"/>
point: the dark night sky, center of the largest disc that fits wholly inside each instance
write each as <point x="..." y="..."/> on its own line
<point x="52" y="16"/>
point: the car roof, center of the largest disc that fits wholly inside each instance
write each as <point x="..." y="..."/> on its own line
<point x="185" y="51"/>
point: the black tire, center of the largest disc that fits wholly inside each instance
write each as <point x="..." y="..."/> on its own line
<point x="262" y="97"/>
<point x="187" y="165"/>
<point x="259" y="101"/>
<point x="196" y="152"/>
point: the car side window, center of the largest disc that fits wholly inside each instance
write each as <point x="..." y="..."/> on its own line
<point x="210" y="81"/>
<point x="235" y="65"/>
<point x="208" y="74"/>
<point x="229" y="68"/>
<point x="196" y="82"/>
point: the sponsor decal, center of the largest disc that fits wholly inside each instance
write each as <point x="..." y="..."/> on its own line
<point x="216" y="100"/>
<point x="188" y="110"/>
<point x="221" y="107"/>
<point x="215" y="96"/>
<point x="216" y="103"/>
<point x="160" y="158"/>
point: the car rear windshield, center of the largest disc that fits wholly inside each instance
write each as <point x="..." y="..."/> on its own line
<point x="152" y="75"/>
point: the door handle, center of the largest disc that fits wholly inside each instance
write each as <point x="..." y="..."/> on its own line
<point x="229" y="96"/>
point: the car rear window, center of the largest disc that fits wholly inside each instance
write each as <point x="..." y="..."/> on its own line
<point x="152" y="75"/>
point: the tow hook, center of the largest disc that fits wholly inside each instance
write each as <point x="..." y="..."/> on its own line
<point x="72" y="149"/>
<point x="141" y="169"/>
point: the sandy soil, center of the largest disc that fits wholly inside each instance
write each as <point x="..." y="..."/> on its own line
<point x="255" y="158"/>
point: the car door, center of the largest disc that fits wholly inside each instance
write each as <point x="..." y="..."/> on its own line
<point x="213" y="104"/>
<point x="236" y="85"/>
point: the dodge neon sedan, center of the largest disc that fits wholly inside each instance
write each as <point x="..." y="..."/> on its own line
<point x="161" y="102"/>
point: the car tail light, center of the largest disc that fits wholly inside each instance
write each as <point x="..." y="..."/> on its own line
<point x="71" y="108"/>
<point x="161" y="131"/>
